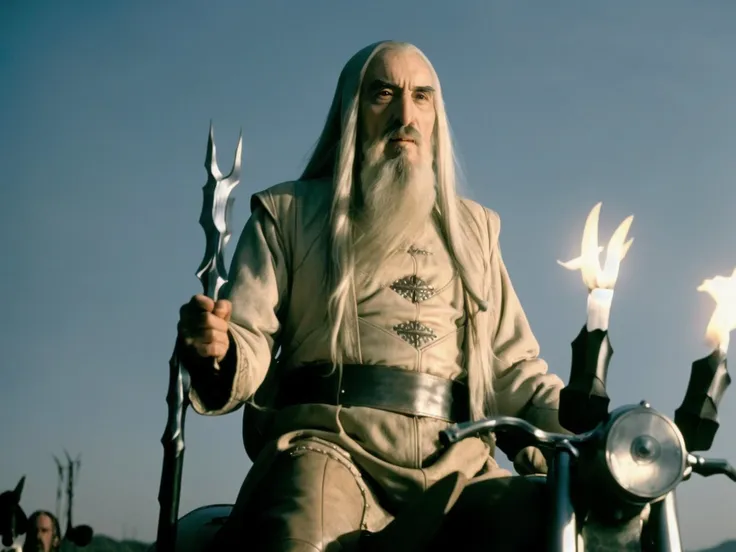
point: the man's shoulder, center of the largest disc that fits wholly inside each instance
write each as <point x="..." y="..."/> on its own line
<point x="481" y="215"/>
<point x="288" y="196"/>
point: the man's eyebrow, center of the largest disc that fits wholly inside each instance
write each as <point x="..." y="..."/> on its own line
<point x="379" y="83"/>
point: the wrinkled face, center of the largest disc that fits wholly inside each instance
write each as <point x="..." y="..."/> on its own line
<point x="42" y="535"/>
<point x="397" y="111"/>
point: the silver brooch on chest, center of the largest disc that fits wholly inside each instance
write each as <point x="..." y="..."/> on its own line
<point x="413" y="288"/>
<point x="415" y="334"/>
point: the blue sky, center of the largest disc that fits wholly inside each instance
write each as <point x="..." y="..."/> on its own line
<point x="555" y="106"/>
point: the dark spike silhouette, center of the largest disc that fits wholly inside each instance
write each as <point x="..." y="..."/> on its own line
<point x="13" y="520"/>
<point x="80" y="535"/>
<point x="69" y="491"/>
<point x="59" y="487"/>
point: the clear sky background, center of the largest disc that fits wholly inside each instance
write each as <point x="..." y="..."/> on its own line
<point x="104" y="114"/>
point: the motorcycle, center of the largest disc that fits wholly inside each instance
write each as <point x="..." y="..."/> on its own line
<point x="612" y="482"/>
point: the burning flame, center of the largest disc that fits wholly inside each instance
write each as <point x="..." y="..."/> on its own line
<point x="595" y="277"/>
<point x="723" y="291"/>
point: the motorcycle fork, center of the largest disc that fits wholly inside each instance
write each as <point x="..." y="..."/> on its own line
<point x="563" y="530"/>
<point x="662" y="530"/>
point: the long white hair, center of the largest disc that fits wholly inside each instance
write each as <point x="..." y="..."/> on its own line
<point x="335" y="156"/>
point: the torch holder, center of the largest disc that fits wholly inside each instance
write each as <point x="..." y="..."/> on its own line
<point x="697" y="417"/>
<point x="584" y="401"/>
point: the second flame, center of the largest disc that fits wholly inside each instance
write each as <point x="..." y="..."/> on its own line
<point x="723" y="291"/>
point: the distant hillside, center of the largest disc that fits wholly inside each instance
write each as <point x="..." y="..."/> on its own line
<point x="728" y="546"/>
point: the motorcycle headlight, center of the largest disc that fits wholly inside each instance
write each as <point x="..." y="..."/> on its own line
<point x="645" y="453"/>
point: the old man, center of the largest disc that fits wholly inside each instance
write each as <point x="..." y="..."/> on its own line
<point x="368" y="308"/>
<point x="43" y="534"/>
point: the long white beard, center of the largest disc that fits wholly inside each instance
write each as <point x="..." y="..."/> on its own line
<point x="398" y="198"/>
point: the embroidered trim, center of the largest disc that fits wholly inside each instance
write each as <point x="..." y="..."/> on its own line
<point x="337" y="455"/>
<point x="416" y="251"/>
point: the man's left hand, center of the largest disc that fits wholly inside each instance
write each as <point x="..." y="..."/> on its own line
<point x="530" y="461"/>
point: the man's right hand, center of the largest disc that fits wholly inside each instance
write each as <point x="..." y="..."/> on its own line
<point x="203" y="326"/>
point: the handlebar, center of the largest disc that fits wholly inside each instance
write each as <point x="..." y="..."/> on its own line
<point x="523" y="433"/>
<point x="711" y="466"/>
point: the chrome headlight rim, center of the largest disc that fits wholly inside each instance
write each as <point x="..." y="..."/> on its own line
<point x="674" y="448"/>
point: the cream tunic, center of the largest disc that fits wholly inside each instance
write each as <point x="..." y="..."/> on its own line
<point x="411" y="313"/>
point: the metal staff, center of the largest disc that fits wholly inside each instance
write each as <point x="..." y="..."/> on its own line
<point x="212" y="274"/>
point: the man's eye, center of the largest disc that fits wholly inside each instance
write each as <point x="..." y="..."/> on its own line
<point x="384" y="94"/>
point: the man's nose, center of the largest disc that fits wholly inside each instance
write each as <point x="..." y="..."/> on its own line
<point x="405" y="110"/>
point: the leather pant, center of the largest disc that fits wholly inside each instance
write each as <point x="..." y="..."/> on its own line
<point x="313" y="500"/>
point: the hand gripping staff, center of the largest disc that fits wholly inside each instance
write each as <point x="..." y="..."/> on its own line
<point x="216" y="207"/>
